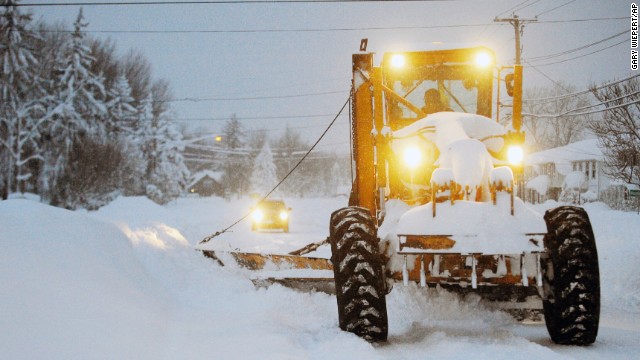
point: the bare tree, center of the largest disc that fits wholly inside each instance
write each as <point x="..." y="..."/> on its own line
<point x="548" y="116"/>
<point x="161" y="90"/>
<point x="618" y="130"/>
<point x="137" y="69"/>
<point x="105" y="60"/>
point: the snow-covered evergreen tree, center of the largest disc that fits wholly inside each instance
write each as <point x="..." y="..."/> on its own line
<point x="236" y="165"/>
<point x="120" y="108"/>
<point x="55" y="117"/>
<point x="290" y="147"/>
<point x="263" y="177"/>
<point x="80" y="91"/>
<point x="123" y="125"/>
<point x="166" y="174"/>
<point x="22" y="113"/>
<point x="78" y="97"/>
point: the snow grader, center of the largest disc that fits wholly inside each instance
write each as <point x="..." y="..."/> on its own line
<point x="434" y="199"/>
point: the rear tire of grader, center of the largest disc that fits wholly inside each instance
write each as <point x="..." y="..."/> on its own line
<point x="358" y="273"/>
<point x="571" y="278"/>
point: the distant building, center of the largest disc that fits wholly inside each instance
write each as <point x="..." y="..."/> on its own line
<point x="206" y="183"/>
<point x="575" y="169"/>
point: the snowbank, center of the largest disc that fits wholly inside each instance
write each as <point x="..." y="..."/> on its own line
<point x="125" y="283"/>
<point x="72" y="288"/>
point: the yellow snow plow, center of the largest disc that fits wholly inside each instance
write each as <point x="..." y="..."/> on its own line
<point x="434" y="201"/>
<point x="292" y="270"/>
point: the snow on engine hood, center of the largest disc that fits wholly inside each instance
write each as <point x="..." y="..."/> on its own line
<point x="462" y="141"/>
<point x="452" y="126"/>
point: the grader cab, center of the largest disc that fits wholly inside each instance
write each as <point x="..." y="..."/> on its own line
<point x="434" y="200"/>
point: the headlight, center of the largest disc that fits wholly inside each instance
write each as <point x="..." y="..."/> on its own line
<point x="398" y="60"/>
<point x="412" y="157"/>
<point x="483" y="59"/>
<point x="515" y="155"/>
<point x="257" y="215"/>
<point x="283" y="215"/>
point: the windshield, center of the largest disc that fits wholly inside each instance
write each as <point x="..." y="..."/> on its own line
<point x="435" y="81"/>
<point x="454" y="95"/>
<point x="272" y="205"/>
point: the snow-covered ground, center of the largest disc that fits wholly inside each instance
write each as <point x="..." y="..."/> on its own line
<point x="126" y="283"/>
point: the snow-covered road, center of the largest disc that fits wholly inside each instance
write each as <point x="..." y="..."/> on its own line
<point x="125" y="282"/>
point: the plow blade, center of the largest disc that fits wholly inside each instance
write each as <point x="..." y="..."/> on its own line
<point x="323" y="284"/>
<point x="255" y="261"/>
<point x="293" y="271"/>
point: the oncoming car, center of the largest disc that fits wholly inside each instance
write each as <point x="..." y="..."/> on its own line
<point x="270" y="214"/>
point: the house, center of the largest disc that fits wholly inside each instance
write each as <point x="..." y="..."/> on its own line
<point x="206" y="183"/>
<point x="574" y="171"/>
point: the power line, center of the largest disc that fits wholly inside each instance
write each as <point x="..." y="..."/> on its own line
<point x="601" y="103"/>
<point x="555" y="98"/>
<point x="255" y="117"/>
<point x="209" y="2"/>
<point x="526" y="6"/>
<point x="249" y="31"/>
<point x="583" y="113"/>
<point x="566" y="52"/>
<point x="583" y="55"/>
<point x="381" y="28"/>
<point x="546" y="76"/>
<point x="580" y="20"/>
<point x="513" y="7"/>
<point x="557" y="7"/>
<point x="252" y="97"/>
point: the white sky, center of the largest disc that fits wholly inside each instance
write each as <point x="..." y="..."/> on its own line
<point x="254" y="64"/>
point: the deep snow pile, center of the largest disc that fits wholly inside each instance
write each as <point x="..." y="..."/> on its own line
<point x="125" y="282"/>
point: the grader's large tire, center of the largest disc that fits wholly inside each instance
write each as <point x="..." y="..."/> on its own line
<point x="571" y="278"/>
<point x="359" y="278"/>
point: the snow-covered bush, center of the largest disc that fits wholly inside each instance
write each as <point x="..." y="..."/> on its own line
<point x="92" y="177"/>
<point x="589" y="196"/>
<point x="574" y="184"/>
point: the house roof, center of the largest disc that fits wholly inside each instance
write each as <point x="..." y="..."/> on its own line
<point x="578" y="151"/>
<point x="215" y="175"/>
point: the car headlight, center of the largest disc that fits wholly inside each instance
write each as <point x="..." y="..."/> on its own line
<point x="283" y="215"/>
<point x="515" y="155"/>
<point x="412" y="157"/>
<point x="257" y="215"/>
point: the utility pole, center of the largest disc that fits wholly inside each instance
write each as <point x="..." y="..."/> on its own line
<point x="518" y="26"/>
<point x="516" y="116"/>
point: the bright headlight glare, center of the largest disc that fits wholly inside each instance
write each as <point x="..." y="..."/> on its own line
<point x="398" y="60"/>
<point x="257" y="215"/>
<point x="284" y="215"/>
<point x="515" y="155"/>
<point x="483" y="59"/>
<point x="412" y="157"/>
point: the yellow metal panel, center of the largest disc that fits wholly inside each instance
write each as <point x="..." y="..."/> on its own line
<point x="362" y="133"/>
<point x="428" y="242"/>
<point x="517" y="97"/>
